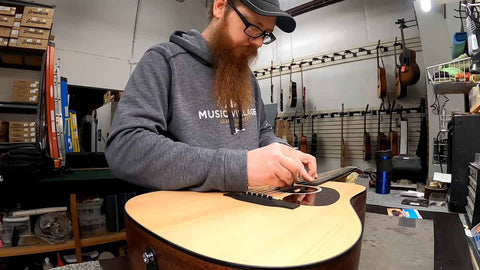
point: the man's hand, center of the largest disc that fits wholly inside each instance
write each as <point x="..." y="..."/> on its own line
<point x="279" y="165"/>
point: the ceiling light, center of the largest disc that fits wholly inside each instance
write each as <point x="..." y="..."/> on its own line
<point x="426" y="5"/>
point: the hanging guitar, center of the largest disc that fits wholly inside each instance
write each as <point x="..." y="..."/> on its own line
<point x="400" y="89"/>
<point x="410" y="71"/>
<point x="303" y="138"/>
<point x="292" y="99"/>
<point x="281" y="90"/>
<point x="381" y="76"/>
<point x="343" y="162"/>
<point x="381" y="137"/>
<point x="271" y="81"/>
<point x="393" y="135"/>
<point x="367" y="147"/>
<point x="313" y="146"/>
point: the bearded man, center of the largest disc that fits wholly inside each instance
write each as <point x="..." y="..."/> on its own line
<point x="192" y="117"/>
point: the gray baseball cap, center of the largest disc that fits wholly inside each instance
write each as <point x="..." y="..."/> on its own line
<point x="271" y="8"/>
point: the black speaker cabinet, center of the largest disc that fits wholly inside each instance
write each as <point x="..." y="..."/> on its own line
<point x="463" y="143"/>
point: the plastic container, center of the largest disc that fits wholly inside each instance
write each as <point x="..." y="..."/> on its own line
<point x="6" y="237"/>
<point x="90" y="209"/>
<point x="22" y="225"/>
<point x="92" y="225"/>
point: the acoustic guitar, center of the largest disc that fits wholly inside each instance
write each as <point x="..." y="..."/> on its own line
<point x="367" y="147"/>
<point x="292" y="99"/>
<point x="400" y="89"/>
<point x="306" y="227"/>
<point x="410" y="71"/>
<point x="343" y="155"/>
<point x="304" y="89"/>
<point x="393" y="135"/>
<point x="381" y="76"/>
<point x="381" y="137"/>
<point x="271" y="81"/>
<point x="313" y="146"/>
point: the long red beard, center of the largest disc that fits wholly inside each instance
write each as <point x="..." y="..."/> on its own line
<point x="232" y="87"/>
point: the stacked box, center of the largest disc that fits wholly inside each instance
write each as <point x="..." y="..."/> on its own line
<point x="3" y="131"/>
<point x="25" y="91"/>
<point x="32" y="28"/>
<point x="20" y="132"/>
<point x="7" y="18"/>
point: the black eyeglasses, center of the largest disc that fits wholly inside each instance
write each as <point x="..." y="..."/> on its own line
<point x="252" y="30"/>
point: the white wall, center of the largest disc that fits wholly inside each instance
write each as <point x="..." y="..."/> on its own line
<point x="436" y="34"/>
<point x="94" y="37"/>
<point x="345" y="25"/>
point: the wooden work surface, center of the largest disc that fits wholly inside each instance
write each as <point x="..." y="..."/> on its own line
<point x="225" y="229"/>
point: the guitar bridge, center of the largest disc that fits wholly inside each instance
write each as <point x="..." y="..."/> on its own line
<point x="262" y="199"/>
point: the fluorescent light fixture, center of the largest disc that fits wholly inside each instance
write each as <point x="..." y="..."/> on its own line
<point x="426" y="5"/>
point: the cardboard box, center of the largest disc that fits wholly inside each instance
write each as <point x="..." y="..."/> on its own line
<point x="25" y="90"/>
<point x="3" y="128"/>
<point x="5" y="31"/>
<point x="6" y="20"/>
<point x="33" y="21"/>
<point x="24" y="83"/>
<point x="112" y="96"/>
<point x="16" y="25"/>
<point x="12" y="59"/>
<point x="21" y="125"/>
<point x="29" y="43"/>
<point x="32" y="32"/>
<point x="14" y="134"/>
<point x="39" y="12"/>
<point x="32" y="60"/>
<point x="3" y="42"/>
<point x="18" y="17"/>
<point x="21" y="129"/>
<point x="6" y="10"/>
<point x="22" y="140"/>
<point x="25" y="98"/>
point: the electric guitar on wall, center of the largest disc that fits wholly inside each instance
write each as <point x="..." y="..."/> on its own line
<point x="295" y="137"/>
<point x="381" y="76"/>
<point x="400" y="89"/>
<point x="367" y="147"/>
<point x="281" y="90"/>
<point x="302" y="227"/>
<point x="313" y="146"/>
<point x="292" y="99"/>
<point x="343" y="162"/>
<point x="381" y="137"/>
<point x="393" y="135"/>
<point x="271" y="81"/>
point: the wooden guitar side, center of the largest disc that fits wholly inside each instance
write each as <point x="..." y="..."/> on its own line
<point x="213" y="237"/>
<point x="381" y="82"/>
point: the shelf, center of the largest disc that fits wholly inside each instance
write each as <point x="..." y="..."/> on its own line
<point x="18" y="107"/>
<point x="21" y="58"/>
<point x="453" y="87"/>
<point x="103" y="239"/>
<point x="27" y="250"/>
<point x="82" y="175"/>
<point x="86" y="242"/>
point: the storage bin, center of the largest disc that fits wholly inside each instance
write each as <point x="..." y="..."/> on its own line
<point x="92" y="225"/>
<point x="22" y="224"/>
<point x="90" y="209"/>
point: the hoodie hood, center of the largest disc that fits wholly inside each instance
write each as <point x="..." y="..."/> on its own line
<point x="194" y="43"/>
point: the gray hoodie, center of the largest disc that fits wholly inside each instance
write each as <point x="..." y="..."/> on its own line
<point x="168" y="133"/>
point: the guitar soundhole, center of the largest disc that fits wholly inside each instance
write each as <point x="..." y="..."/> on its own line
<point x="323" y="197"/>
